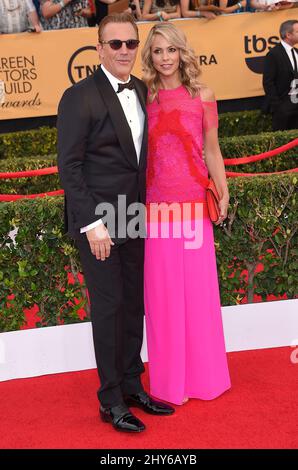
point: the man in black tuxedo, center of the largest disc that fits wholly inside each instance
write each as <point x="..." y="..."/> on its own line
<point x="280" y="79"/>
<point x="102" y="145"/>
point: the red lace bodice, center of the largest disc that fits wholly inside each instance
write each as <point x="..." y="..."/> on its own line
<point x="176" y="127"/>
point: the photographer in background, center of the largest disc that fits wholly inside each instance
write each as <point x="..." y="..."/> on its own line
<point x="63" y="14"/>
<point x="280" y="78"/>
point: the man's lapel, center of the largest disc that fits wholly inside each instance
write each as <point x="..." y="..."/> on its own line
<point x="296" y="74"/>
<point x="286" y="59"/>
<point x="142" y="99"/>
<point x="118" y="118"/>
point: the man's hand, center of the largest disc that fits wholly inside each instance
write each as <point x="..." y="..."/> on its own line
<point x="100" y="242"/>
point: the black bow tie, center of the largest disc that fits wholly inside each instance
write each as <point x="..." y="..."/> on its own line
<point x="122" y="86"/>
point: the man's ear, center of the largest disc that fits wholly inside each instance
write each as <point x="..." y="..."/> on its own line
<point x="99" y="48"/>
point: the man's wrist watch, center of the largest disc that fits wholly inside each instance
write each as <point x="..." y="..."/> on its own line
<point x="239" y="4"/>
<point x="62" y="4"/>
<point x="198" y="13"/>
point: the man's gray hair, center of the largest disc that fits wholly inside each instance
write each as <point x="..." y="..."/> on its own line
<point x="286" y="27"/>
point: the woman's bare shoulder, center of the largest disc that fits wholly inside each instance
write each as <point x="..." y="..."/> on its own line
<point x="206" y="93"/>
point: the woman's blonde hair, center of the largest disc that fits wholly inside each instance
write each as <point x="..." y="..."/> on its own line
<point x="189" y="68"/>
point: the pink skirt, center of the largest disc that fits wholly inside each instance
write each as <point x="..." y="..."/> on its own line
<point x="185" y="340"/>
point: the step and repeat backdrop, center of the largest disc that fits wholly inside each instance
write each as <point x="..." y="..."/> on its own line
<point x="35" y="69"/>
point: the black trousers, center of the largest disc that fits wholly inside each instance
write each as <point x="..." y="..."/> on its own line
<point x="285" y="116"/>
<point x="117" y="312"/>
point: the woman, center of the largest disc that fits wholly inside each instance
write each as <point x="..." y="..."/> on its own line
<point x="232" y="6"/>
<point x="199" y="8"/>
<point x="64" y="14"/>
<point x="185" y="340"/>
<point x="161" y="10"/>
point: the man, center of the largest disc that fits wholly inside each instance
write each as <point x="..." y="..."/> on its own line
<point x="280" y="79"/>
<point x="102" y="144"/>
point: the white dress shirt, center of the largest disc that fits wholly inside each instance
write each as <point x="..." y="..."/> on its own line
<point x="135" y="117"/>
<point x="288" y="49"/>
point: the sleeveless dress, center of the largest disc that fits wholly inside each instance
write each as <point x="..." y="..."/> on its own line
<point x="185" y="340"/>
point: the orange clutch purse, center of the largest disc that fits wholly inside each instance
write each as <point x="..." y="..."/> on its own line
<point x="212" y="197"/>
<point x="212" y="201"/>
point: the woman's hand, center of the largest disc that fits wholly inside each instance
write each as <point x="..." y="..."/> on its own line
<point x="223" y="208"/>
<point x="164" y="15"/>
<point x="85" y="13"/>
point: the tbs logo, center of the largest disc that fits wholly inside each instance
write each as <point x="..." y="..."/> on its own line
<point x="257" y="45"/>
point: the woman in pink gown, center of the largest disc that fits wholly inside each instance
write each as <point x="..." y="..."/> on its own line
<point x="186" y="350"/>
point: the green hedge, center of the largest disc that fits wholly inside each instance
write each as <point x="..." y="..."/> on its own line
<point x="232" y="147"/>
<point x="244" y="123"/>
<point x="32" y="185"/>
<point x="38" y="142"/>
<point x="262" y="225"/>
<point x="35" y="267"/>
<point x="43" y="141"/>
<point x="235" y="147"/>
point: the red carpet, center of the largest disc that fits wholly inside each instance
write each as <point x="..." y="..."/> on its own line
<point x="60" y="411"/>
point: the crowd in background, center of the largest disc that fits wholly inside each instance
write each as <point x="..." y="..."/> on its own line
<point x="37" y="15"/>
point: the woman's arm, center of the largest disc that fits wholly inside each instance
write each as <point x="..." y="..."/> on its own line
<point x="108" y="2"/>
<point x="146" y="11"/>
<point x="159" y="15"/>
<point x="214" y="160"/>
<point x="171" y="16"/>
<point x="49" y="9"/>
<point x="258" y="5"/>
<point x="35" y="21"/>
<point x="139" y="14"/>
<point x="283" y="5"/>
<point x="223" y="6"/>
<point x="188" y="13"/>
<point x="85" y="12"/>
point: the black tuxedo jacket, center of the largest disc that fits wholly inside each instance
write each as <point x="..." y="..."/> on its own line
<point x="96" y="154"/>
<point x="277" y="77"/>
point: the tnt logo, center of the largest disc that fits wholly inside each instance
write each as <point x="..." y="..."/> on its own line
<point x="79" y="64"/>
<point x="257" y="45"/>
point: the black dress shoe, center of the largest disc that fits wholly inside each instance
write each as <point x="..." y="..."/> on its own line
<point x="146" y="403"/>
<point x="121" y="418"/>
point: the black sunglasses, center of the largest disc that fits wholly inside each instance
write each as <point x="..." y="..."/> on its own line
<point x="116" y="44"/>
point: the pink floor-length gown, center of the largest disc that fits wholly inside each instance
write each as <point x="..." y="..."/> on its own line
<point x="186" y="349"/>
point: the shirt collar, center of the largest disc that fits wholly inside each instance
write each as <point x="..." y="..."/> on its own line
<point x="287" y="46"/>
<point x="113" y="80"/>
